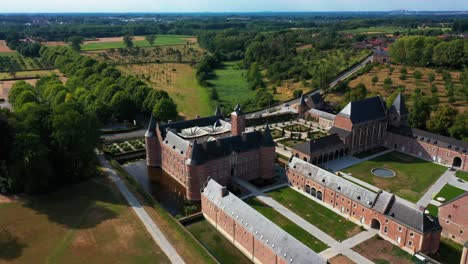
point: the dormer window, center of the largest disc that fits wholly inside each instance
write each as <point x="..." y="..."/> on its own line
<point x="323" y="180"/>
<point x="449" y="146"/>
<point x="339" y="187"/>
<point x="359" y="197"/>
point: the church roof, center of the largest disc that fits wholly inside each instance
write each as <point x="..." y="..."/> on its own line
<point x="302" y="101"/>
<point x="275" y="238"/>
<point x="342" y="133"/>
<point x="399" y="105"/>
<point x="319" y="144"/>
<point x="368" y="109"/>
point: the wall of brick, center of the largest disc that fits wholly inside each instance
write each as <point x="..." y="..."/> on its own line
<point x="454" y="221"/>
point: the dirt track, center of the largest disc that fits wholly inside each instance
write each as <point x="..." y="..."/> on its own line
<point x="4" y="47"/>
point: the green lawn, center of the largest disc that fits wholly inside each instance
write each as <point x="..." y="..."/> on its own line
<point x="221" y="248"/>
<point x="433" y="210"/>
<point x="462" y="175"/>
<point x="88" y="222"/>
<point x="449" y="192"/>
<point x="288" y="226"/>
<point x="413" y="175"/>
<point x="449" y="252"/>
<point x="231" y="84"/>
<point x="161" y="40"/>
<point x="316" y="214"/>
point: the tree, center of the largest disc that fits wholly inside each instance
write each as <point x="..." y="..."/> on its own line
<point x="357" y="93"/>
<point x="123" y="108"/>
<point x="375" y="79"/>
<point x="151" y="39"/>
<point x="76" y="42"/>
<point x="419" y="112"/>
<point x="128" y="41"/>
<point x="214" y="94"/>
<point x="441" y="120"/>
<point x="297" y="93"/>
<point x="431" y="77"/>
<point x="165" y="109"/>
<point x="459" y="128"/>
<point x="417" y="75"/>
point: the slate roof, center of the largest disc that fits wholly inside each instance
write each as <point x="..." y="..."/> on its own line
<point x="379" y="52"/>
<point x="283" y="244"/>
<point x="368" y="109"/>
<point x="178" y="126"/>
<point x="319" y="144"/>
<point x="267" y="139"/>
<point x="322" y="114"/>
<point x="383" y="202"/>
<point x="316" y="99"/>
<point x="151" y="128"/>
<point x="412" y="217"/>
<point x="431" y="138"/>
<point x="222" y="147"/>
<point x="342" y="133"/>
<point x="399" y="105"/>
<point x="302" y="101"/>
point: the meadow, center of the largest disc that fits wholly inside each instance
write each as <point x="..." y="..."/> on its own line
<point x="386" y="30"/>
<point x="161" y="40"/>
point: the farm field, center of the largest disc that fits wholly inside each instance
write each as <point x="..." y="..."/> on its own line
<point x="139" y="41"/>
<point x="176" y="53"/>
<point x="410" y="85"/>
<point x="89" y="221"/>
<point x="413" y="175"/>
<point x="381" y="251"/>
<point x="288" y="226"/>
<point x="19" y="62"/>
<point x="323" y="218"/>
<point x="385" y="30"/>
<point x="221" y="248"/>
<point x="342" y="59"/>
<point x="231" y="85"/>
<point x="179" y="81"/>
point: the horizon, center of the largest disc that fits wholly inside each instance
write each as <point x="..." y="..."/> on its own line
<point x="217" y="6"/>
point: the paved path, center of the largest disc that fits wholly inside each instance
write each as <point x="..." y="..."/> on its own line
<point x="435" y="188"/>
<point x="335" y="246"/>
<point x="150" y="226"/>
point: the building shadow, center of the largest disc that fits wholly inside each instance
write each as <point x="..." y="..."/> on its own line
<point x="10" y="247"/>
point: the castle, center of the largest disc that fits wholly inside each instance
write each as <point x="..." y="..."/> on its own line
<point x="366" y="124"/>
<point x="194" y="150"/>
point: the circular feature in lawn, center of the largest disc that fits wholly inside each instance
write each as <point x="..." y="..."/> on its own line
<point x="383" y="173"/>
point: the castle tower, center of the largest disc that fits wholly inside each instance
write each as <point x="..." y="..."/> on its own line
<point x="302" y="107"/>
<point x="398" y="113"/>
<point x="267" y="154"/>
<point x="153" y="147"/>
<point x="218" y="111"/>
<point x="237" y="121"/>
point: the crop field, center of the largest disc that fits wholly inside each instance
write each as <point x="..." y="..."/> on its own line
<point x="19" y="62"/>
<point x="409" y="85"/>
<point x="231" y="85"/>
<point x="386" y="30"/>
<point x="177" y="53"/>
<point x="88" y="222"/>
<point x="179" y="81"/>
<point x="139" y="41"/>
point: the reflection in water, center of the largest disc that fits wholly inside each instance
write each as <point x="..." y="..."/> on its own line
<point x="161" y="185"/>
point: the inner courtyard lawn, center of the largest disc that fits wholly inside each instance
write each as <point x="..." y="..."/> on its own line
<point x="221" y="248"/>
<point x="85" y="223"/>
<point x="288" y="226"/>
<point x="462" y="175"/>
<point x="449" y="192"/>
<point x="318" y="215"/>
<point x="413" y="176"/>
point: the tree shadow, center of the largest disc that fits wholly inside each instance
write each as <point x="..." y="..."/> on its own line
<point x="83" y="205"/>
<point x="10" y="247"/>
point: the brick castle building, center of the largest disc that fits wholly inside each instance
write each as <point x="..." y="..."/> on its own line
<point x="406" y="227"/>
<point x="191" y="151"/>
<point x="366" y="124"/>
<point x="252" y="233"/>
<point x="453" y="216"/>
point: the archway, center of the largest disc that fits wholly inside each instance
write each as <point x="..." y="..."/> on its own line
<point x="457" y="162"/>
<point x="319" y="195"/>
<point x="307" y="189"/>
<point x="341" y="152"/>
<point x="337" y="154"/>
<point x="313" y="192"/>
<point x="305" y="159"/>
<point x="375" y="224"/>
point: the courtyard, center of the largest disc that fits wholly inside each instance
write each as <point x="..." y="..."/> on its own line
<point x="287" y="225"/>
<point x="413" y="176"/>
<point x="318" y="215"/>
<point x="381" y="251"/>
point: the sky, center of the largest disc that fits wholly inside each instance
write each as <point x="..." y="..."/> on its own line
<point x="52" y="6"/>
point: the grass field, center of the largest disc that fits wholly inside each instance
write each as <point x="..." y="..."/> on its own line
<point x="26" y="74"/>
<point x="433" y="210"/>
<point x="222" y="249"/>
<point x="288" y="226"/>
<point x="381" y="251"/>
<point x="179" y="81"/>
<point x="413" y="175"/>
<point x="84" y="223"/>
<point x="410" y="85"/>
<point x="160" y="41"/>
<point x="384" y="30"/>
<point x="231" y="84"/>
<point x="316" y="214"/>
<point x="449" y="192"/>
<point x="462" y="175"/>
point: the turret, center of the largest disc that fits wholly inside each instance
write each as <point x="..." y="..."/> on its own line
<point x="237" y="121"/>
<point x="267" y="154"/>
<point x="398" y="113"/>
<point x="218" y="111"/>
<point x="302" y="107"/>
<point x="153" y="147"/>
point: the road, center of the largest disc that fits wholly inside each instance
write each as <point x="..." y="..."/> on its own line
<point x="332" y="84"/>
<point x="149" y="224"/>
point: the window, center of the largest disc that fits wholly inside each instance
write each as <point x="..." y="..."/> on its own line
<point x="386" y="221"/>
<point x="411" y="234"/>
<point x="461" y="232"/>
<point x="399" y="228"/>
<point x="354" y="213"/>
<point x="449" y="216"/>
<point x="385" y="230"/>
<point x="410" y="243"/>
<point x="336" y="204"/>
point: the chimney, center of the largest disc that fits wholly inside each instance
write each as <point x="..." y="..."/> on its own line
<point x="224" y="191"/>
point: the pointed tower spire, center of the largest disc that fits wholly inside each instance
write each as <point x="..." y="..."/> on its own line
<point x="399" y="105"/>
<point x="218" y="111"/>
<point x="238" y="110"/>
<point x="267" y="139"/>
<point x="302" y="101"/>
<point x="151" y="127"/>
